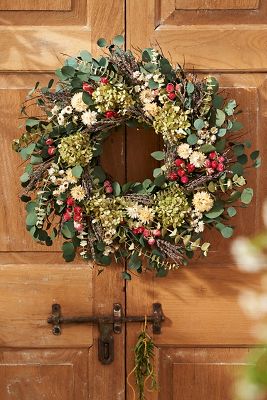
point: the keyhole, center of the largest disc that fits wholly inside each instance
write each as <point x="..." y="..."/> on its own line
<point x="106" y="351"/>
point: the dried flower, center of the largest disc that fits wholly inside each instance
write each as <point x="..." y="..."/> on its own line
<point x="202" y="201"/>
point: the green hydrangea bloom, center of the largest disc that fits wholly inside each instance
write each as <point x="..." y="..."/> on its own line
<point x="168" y="120"/>
<point x="109" y="97"/>
<point x="107" y="212"/>
<point x="171" y="206"/>
<point x="75" y="149"/>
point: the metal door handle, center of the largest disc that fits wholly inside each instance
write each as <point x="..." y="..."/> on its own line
<point x="107" y="326"/>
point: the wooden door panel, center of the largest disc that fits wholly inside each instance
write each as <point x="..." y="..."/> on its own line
<point x="206" y="334"/>
<point x="33" y="362"/>
<point x="49" y="374"/>
<point x="205" y="39"/>
<point x="190" y="374"/>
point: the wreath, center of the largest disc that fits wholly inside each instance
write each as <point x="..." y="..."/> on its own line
<point x="198" y="179"/>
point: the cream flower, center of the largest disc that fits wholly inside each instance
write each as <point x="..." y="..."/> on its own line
<point x="202" y="201"/>
<point x="70" y="177"/>
<point x="55" y="110"/>
<point x="89" y="117"/>
<point x="77" y="102"/>
<point x="198" y="159"/>
<point x="151" y="108"/>
<point x="78" y="193"/>
<point x="184" y="150"/>
<point x="147" y="96"/>
<point x="133" y="211"/>
<point x="67" y="110"/>
<point x="60" y="119"/>
<point x="145" y="214"/>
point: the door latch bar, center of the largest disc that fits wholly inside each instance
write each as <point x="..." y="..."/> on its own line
<point x="107" y="326"/>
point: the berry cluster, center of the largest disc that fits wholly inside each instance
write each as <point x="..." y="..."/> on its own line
<point x="148" y="234"/>
<point x="215" y="162"/>
<point x="171" y="89"/>
<point x="51" y="149"/>
<point x="183" y="170"/>
<point x="75" y="212"/>
<point x="108" y="187"/>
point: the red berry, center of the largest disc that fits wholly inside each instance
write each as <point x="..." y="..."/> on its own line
<point x="170" y="88"/>
<point x="181" y="172"/>
<point x="156" y="232"/>
<point x="66" y="216"/>
<point x="207" y="163"/>
<point x="109" y="189"/>
<point x="190" y="168"/>
<point x="104" y="80"/>
<point x="213" y="155"/>
<point x="88" y="88"/>
<point x="220" y="167"/>
<point x="214" y="164"/>
<point x="70" y="202"/>
<point x="146" y="232"/>
<point x="110" y="114"/>
<point x="172" y="176"/>
<point x="151" y="241"/>
<point x="77" y="217"/>
<point x="78" y="227"/>
<point x="221" y="159"/>
<point x="49" y="141"/>
<point x="135" y="231"/>
<point x="184" y="179"/>
<point x="172" y="96"/>
<point x="77" y="210"/>
<point x="107" y="183"/>
<point x="141" y="229"/>
<point x="51" y="150"/>
<point x="179" y="162"/>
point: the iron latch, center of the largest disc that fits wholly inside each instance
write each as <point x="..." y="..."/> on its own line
<point x="107" y="326"/>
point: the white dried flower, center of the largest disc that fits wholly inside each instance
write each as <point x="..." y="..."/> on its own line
<point x="184" y="150"/>
<point x="151" y="108"/>
<point x="77" y="102"/>
<point x="67" y="110"/>
<point x="145" y="214"/>
<point x="202" y="201"/>
<point x="78" y="193"/>
<point x="197" y="158"/>
<point x="55" y="110"/>
<point x="147" y="96"/>
<point x="61" y="119"/>
<point x="89" y="117"/>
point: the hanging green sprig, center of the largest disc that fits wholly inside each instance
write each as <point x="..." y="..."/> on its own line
<point x="144" y="369"/>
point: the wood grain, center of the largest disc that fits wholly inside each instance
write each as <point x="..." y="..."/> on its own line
<point x="41" y="5"/>
<point x="33" y="277"/>
<point x="201" y="41"/>
<point x="217" y="4"/>
<point x="47" y="374"/>
<point x="205" y="334"/>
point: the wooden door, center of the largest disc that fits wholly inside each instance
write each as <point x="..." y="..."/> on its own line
<point x="34" y="364"/>
<point x="206" y="334"/>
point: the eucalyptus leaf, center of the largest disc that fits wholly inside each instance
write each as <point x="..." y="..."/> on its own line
<point x="118" y="40"/>
<point x="220" y="117"/>
<point x="101" y="42"/>
<point x="192" y="139"/>
<point x="246" y="195"/>
<point x="199" y="124"/>
<point x="158" y="155"/>
<point x="68" y="251"/>
<point x="116" y="189"/>
<point x="77" y="171"/>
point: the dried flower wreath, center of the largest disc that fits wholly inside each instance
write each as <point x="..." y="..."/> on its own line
<point x="202" y="162"/>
